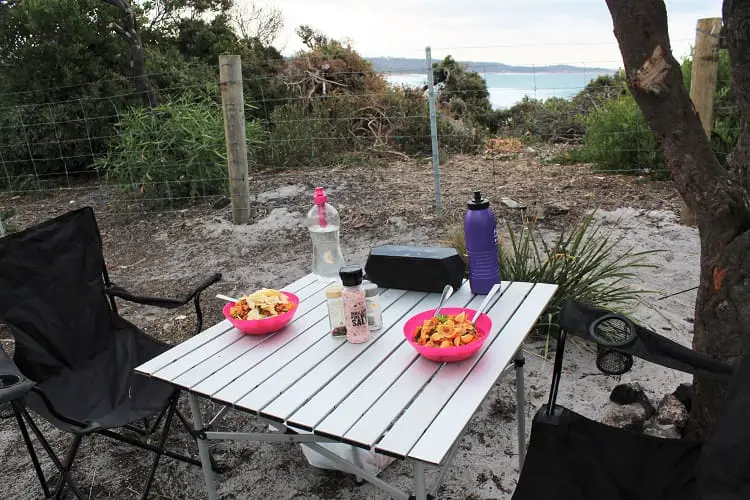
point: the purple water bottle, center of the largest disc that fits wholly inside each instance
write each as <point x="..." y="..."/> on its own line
<point x="481" y="245"/>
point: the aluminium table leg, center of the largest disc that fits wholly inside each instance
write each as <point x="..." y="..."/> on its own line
<point x="520" y="406"/>
<point x="358" y="463"/>
<point x="208" y="473"/>
<point x="420" y="487"/>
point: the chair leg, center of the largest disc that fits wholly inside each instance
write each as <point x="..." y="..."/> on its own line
<point x="64" y="474"/>
<point x="146" y="423"/>
<point x="17" y="409"/>
<point x="152" y="428"/>
<point x="160" y="449"/>
<point x="184" y="421"/>
<point x="519" y="362"/>
<point x="67" y="465"/>
<point x="149" y="447"/>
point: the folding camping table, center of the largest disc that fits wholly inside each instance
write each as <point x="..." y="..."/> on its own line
<point x="380" y="395"/>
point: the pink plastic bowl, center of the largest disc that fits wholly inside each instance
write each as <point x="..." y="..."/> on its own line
<point x="447" y="354"/>
<point x="265" y="325"/>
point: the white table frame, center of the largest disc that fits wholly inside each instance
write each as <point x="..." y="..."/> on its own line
<point x="210" y="365"/>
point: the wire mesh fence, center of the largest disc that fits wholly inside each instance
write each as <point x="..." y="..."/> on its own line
<point x="304" y="115"/>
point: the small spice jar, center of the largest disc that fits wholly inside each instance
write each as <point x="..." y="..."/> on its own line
<point x="355" y="309"/>
<point x="335" y="303"/>
<point x="372" y="302"/>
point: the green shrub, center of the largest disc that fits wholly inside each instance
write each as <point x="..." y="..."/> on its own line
<point x="337" y="129"/>
<point x="173" y="154"/>
<point x="550" y="120"/>
<point x="618" y="139"/>
<point x="600" y="89"/>
<point x="408" y="118"/>
<point x="409" y="121"/>
<point x="464" y="91"/>
<point x="310" y="135"/>
<point x="585" y="260"/>
<point x="60" y="85"/>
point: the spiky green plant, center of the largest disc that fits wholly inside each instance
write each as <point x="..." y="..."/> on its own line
<point x="586" y="261"/>
<point x="173" y="154"/>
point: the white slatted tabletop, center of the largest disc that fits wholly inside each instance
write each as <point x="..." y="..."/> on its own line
<point x="379" y="394"/>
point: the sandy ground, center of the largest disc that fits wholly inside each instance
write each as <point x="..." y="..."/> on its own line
<point x="162" y="253"/>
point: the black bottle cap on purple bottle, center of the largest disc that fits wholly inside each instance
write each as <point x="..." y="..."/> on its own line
<point x="478" y="203"/>
<point x="351" y="275"/>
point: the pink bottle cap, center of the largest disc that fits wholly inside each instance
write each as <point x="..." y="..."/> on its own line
<point x="320" y="200"/>
<point x="320" y="197"/>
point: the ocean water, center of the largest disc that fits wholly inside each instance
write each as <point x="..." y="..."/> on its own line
<point x="506" y="89"/>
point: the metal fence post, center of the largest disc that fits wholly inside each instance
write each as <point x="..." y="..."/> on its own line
<point x="433" y="129"/>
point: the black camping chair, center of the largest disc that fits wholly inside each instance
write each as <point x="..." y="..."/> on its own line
<point x="571" y="457"/>
<point x="74" y="348"/>
<point x="13" y="387"/>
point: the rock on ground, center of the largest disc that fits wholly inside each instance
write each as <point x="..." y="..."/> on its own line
<point x="671" y="412"/>
<point x="628" y="393"/>
<point x="684" y="393"/>
<point x="662" y="431"/>
<point x="630" y="417"/>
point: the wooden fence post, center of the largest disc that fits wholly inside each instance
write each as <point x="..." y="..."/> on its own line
<point x="703" y="84"/>
<point x="233" y="104"/>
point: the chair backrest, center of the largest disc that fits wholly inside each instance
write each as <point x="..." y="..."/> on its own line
<point x="576" y="318"/>
<point x="52" y="294"/>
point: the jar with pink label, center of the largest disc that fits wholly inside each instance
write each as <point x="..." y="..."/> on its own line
<point x="355" y="308"/>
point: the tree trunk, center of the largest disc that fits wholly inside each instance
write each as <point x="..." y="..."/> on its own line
<point x="129" y="33"/>
<point x="737" y="38"/>
<point x="717" y="198"/>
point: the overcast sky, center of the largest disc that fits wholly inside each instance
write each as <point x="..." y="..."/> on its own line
<point x="508" y="31"/>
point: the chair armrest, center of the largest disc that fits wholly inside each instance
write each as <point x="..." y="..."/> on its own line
<point x="167" y="303"/>
<point x="195" y="296"/>
<point x="18" y="389"/>
<point x="13" y="384"/>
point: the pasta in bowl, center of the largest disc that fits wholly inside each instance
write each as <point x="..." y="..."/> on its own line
<point x="264" y="311"/>
<point x="448" y="337"/>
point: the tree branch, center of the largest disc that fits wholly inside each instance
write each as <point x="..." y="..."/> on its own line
<point x="121" y="31"/>
<point x="129" y="33"/>
<point x="120" y="4"/>
<point x="655" y="80"/>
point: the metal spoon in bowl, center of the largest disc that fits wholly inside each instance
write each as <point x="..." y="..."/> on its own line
<point x="224" y="297"/>
<point x="447" y="292"/>
<point x="486" y="301"/>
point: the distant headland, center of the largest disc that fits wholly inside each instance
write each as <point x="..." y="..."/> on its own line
<point x="411" y="65"/>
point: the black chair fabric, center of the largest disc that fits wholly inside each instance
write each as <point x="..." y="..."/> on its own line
<point x="571" y="457"/>
<point x="52" y="294"/>
<point x="13" y="385"/>
<point x="106" y="392"/>
<point x="76" y="352"/>
<point x="68" y="339"/>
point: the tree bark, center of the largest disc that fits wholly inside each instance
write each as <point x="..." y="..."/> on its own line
<point x="736" y="17"/>
<point x="718" y="198"/>
<point x="129" y="33"/>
